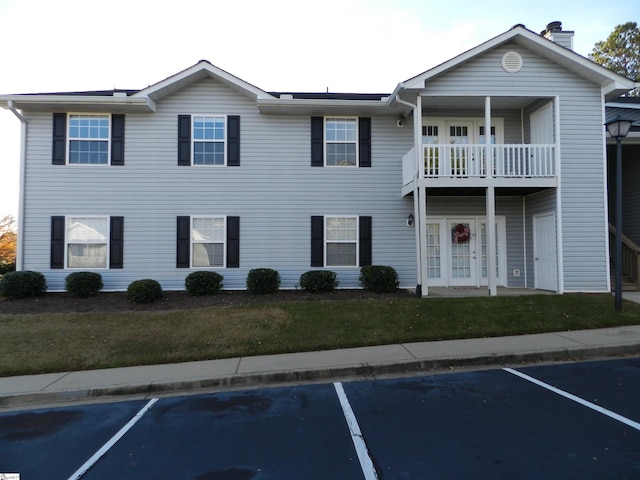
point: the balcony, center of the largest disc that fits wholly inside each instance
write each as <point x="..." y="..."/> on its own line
<point x="468" y="165"/>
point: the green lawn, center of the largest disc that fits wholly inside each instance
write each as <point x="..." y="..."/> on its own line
<point x="41" y="343"/>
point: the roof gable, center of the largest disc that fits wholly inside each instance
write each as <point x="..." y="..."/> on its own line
<point x="612" y="83"/>
<point x="202" y="69"/>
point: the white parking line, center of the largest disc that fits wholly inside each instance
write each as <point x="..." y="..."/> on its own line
<point x="105" y="448"/>
<point x="579" y="400"/>
<point x="368" y="469"/>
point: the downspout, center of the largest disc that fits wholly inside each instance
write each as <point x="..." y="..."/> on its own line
<point x="23" y="168"/>
<point x="416" y="203"/>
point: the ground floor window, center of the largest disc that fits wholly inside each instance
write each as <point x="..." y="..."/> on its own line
<point x="87" y="239"/>
<point x="341" y="234"/>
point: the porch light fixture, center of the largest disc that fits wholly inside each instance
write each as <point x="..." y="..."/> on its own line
<point x="410" y="220"/>
<point x="618" y="129"/>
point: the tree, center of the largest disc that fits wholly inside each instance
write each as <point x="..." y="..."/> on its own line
<point x="8" y="242"/>
<point x="620" y="52"/>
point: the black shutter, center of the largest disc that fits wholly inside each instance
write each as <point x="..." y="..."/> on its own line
<point x="117" y="139"/>
<point x="57" y="242"/>
<point x="317" y="141"/>
<point x="365" y="241"/>
<point x="184" y="140"/>
<point x="59" y="149"/>
<point x="183" y="242"/>
<point x="116" y="242"/>
<point x="233" y="242"/>
<point x="233" y="141"/>
<point x="364" y="141"/>
<point x="317" y="241"/>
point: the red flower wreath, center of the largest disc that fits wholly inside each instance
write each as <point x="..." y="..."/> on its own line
<point x="460" y="233"/>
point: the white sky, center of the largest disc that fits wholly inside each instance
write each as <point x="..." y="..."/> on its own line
<point x="358" y="46"/>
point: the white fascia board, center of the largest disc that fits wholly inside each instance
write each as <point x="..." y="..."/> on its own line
<point x="79" y="103"/>
<point x="324" y="107"/>
<point x="632" y="106"/>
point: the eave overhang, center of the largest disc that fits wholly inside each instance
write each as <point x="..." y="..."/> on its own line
<point x="296" y="106"/>
<point x="79" y="103"/>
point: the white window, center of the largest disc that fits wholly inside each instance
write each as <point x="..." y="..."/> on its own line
<point x="208" y="236"/>
<point x="89" y="139"/>
<point x="209" y="137"/>
<point x="87" y="240"/>
<point x="341" y="241"/>
<point x="341" y="141"/>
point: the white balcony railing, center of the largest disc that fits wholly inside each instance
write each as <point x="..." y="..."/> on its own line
<point x="463" y="161"/>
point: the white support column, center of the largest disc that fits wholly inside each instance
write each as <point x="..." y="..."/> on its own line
<point x="420" y="198"/>
<point x="491" y="204"/>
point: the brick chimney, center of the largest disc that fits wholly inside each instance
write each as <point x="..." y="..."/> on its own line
<point x="555" y="33"/>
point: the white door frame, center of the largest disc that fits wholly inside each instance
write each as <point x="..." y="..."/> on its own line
<point x="545" y="252"/>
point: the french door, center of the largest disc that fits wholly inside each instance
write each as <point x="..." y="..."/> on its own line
<point x="457" y="251"/>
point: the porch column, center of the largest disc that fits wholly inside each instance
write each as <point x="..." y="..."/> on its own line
<point x="420" y="200"/>
<point x="491" y="204"/>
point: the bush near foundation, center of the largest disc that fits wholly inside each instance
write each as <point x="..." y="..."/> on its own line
<point x="144" y="291"/>
<point x="203" y="283"/>
<point x="379" y="278"/>
<point x="319" y="281"/>
<point x="263" y="281"/>
<point x="83" y="284"/>
<point x="22" y="284"/>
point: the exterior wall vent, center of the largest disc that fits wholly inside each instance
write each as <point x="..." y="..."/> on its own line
<point x="511" y="62"/>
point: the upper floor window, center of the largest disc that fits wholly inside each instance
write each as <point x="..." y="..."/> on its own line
<point x="209" y="136"/>
<point x="89" y="139"/>
<point x="341" y="142"/>
<point x="209" y="140"/>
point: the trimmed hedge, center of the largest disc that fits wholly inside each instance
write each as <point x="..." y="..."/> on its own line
<point x="83" y="284"/>
<point x="263" y="280"/>
<point x="144" y="291"/>
<point x="22" y="284"/>
<point x="379" y="278"/>
<point x="319" y="281"/>
<point x="203" y="283"/>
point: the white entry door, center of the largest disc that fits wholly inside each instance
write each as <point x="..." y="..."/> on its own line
<point x="462" y="252"/>
<point x="545" y="263"/>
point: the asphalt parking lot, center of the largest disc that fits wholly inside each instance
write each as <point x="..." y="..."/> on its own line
<point x="565" y="421"/>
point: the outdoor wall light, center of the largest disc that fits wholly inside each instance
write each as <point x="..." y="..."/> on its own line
<point x="410" y="220"/>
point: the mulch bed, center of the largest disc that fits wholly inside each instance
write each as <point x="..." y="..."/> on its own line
<point x="117" y="301"/>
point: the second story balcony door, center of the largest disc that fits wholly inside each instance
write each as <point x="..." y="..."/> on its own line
<point x="458" y="134"/>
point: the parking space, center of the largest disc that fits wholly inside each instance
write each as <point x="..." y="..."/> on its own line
<point x="484" y="424"/>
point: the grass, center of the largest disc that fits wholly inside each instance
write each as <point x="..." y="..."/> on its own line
<point x="31" y="344"/>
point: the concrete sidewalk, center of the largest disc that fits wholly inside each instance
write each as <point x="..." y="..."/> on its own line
<point x="353" y="363"/>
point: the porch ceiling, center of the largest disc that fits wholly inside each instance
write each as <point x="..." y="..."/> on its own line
<point x="476" y="102"/>
<point x="482" y="192"/>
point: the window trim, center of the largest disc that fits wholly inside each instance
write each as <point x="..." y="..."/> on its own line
<point x="326" y="241"/>
<point x="192" y="242"/>
<point x="356" y="140"/>
<point x="224" y="142"/>
<point x="68" y="138"/>
<point x="67" y="243"/>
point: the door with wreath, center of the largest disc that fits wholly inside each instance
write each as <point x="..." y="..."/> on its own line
<point x="462" y="252"/>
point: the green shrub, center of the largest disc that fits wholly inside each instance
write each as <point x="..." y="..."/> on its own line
<point x="25" y="283"/>
<point x="263" y="280"/>
<point x="203" y="283"/>
<point x="379" y="278"/>
<point x="144" y="291"/>
<point x="83" y="284"/>
<point x="319" y="281"/>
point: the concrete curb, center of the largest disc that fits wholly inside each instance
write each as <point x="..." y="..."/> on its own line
<point x="359" y="371"/>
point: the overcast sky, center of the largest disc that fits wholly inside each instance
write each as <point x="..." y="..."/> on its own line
<point x="277" y="45"/>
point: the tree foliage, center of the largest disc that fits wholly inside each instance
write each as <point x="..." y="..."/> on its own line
<point x="8" y="241"/>
<point x="620" y="52"/>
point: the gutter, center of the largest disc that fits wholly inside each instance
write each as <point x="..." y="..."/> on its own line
<point x="23" y="172"/>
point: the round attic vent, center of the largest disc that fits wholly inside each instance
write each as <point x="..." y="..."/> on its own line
<point x="511" y="62"/>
